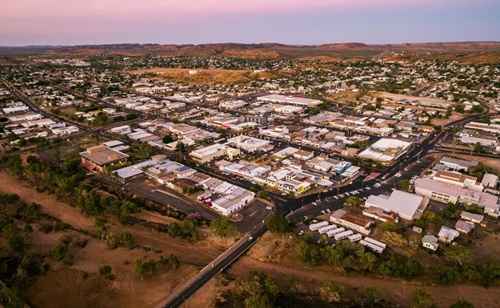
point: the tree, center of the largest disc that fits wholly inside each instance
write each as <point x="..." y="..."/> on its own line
<point x="167" y="139"/>
<point x="14" y="165"/>
<point x="422" y="300"/>
<point x="223" y="227"/>
<point x="353" y="201"/>
<point x="107" y="272"/>
<point x="462" y="304"/>
<point x="458" y="254"/>
<point x="478" y="148"/>
<point x="404" y="185"/>
<point x="460" y="108"/>
<point x="331" y="292"/>
<point x="477" y="109"/>
<point x="278" y="224"/>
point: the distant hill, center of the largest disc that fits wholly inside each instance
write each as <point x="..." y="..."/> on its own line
<point x="469" y="52"/>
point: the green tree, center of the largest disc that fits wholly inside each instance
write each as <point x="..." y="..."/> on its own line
<point x="223" y="227"/>
<point x="331" y="292"/>
<point x="478" y="148"/>
<point x="353" y="201"/>
<point x="404" y="185"/>
<point x="422" y="300"/>
<point x="167" y="139"/>
<point x="462" y="304"/>
<point x="278" y="224"/>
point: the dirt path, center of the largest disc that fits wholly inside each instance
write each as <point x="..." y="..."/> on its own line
<point x="49" y="203"/>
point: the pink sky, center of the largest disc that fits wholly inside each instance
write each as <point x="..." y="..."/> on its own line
<point x="37" y="8"/>
<point x="295" y="21"/>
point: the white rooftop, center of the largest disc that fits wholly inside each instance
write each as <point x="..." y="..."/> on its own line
<point x="402" y="203"/>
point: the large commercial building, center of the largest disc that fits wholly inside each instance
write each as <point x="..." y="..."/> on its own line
<point x="406" y="205"/>
<point x="386" y="150"/>
<point x="458" y="179"/>
<point x="289" y="100"/>
<point x="449" y="193"/>
<point x="352" y="221"/>
<point x="250" y="144"/>
<point x="214" y="151"/>
<point x="457" y="164"/>
<point x="97" y="158"/>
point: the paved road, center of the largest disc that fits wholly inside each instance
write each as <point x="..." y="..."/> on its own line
<point x="224" y="260"/>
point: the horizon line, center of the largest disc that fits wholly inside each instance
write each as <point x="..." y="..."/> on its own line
<point x="250" y="43"/>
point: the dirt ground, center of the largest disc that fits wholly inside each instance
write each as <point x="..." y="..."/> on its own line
<point x="454" y="117"/>
<point x="204" y="76"/>
<point x="70" y="287"/>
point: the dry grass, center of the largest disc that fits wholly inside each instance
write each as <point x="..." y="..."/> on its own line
<point x="252" y="54"/>
<point x="205" y="76"/>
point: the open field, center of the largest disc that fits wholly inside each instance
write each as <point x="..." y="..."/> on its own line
<point x="252" y="54"/>
<point x="204" y="76"/>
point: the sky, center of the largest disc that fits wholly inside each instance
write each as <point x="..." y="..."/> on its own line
<point x="75" y="22"/>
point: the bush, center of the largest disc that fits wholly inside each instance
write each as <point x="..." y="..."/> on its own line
<point x="107" y="272"/>
<point x="278" y="224"/>
<point x="422" y="300"/>
<point x="145" y="268"/>
<point x="462" y="304"/>
<point x="223" y="227"/>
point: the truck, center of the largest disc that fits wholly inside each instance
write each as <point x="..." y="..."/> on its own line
<point x="355" y="237"/>
<point x="343" y="235"/>
<point x="371" y="246"/>
<point x="325" y="229"/>
<point x="375" y="242"/>
<point x="332" y="233"/>
<point x="318" y="225"/>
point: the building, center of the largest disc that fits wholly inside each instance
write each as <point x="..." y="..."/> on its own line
<point x="474" y="218"/>
<point x="464" y="226"/>
<point x="97" y="158"/>
<point x="489" y="180"/>
<point x="449" y="193"/>
<point x="386" y="150"/>
<point x="352" y="221"/>
<point x="457" y="164"/>
<point x="250" y="144"/>
<point x="289" y="100"/>
<point x="207" y="154"/>
<point x="406" y="205"/>
<point x="447" y="235"/>
<point x="234" y="201"/>
<point x="459" y="179"/>
<point x="430" y="242"/>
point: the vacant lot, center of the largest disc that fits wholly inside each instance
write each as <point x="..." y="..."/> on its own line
<point x="204" y="76"/>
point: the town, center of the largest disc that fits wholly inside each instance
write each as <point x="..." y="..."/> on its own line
<point x="394" y="164"/>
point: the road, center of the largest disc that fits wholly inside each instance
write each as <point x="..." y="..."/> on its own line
<point x="223" y="261"/>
